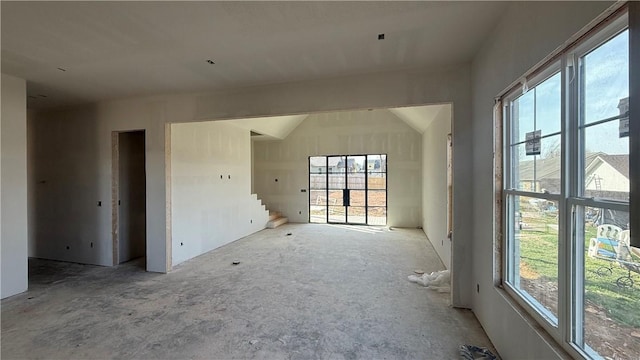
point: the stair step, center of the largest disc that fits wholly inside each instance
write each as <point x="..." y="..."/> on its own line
<point x="274" y="215"/>
<point x="272" y="224"/>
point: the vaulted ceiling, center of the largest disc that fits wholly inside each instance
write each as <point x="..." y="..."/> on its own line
<point x="76" y="52"/>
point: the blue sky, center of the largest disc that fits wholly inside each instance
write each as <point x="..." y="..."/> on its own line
<point x="606" y="71"/>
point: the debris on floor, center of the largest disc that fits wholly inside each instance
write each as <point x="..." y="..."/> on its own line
<point x="439" y="281"/>
<point x="288" y="234"/>
<point x="472" y="352"/>
<point x="235" y="263"/>
<point x="418" y="271"/>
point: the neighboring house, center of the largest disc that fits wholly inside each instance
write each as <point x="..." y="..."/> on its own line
<point x="608" y="173"/>
<point x="605" y="175"/>
<point x="318" y="165"/>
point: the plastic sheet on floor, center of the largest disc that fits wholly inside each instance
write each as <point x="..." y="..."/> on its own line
<point x="439" y="281"/>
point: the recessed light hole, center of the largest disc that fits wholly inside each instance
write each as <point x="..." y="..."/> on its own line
<point x="380" y="36"/>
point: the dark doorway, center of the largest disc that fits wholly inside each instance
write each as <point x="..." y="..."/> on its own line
<point x="130" y="201"/>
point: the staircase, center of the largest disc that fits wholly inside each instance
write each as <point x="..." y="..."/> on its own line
<point x="276" y="219"/>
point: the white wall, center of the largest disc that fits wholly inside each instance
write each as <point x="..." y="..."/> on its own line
<point x="211" y="188"/>
<point x="610" y="179"/>
<point x="341" y="133"/>
<point x="72" y="173"/>
<point x="93" y="124"/>
<point x="528" y="32"/>
<point x="434" y="184"/>
<point x="13" y="186"/>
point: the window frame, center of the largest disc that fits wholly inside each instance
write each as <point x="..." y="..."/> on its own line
<point x="571" y="252"/>
<point x="544" y="317"/>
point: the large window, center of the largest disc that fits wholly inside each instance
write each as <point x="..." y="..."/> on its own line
<point x="566" y="198"/>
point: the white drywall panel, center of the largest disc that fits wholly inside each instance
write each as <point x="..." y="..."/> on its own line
<point x="435" y="85"/>
<point x="13" y="186"/>
<point x="72" y="154"/>
<point x="210" y="188"/>
<point x="528" y="32"/>
<point x="341" y="133"/>
<point x="434" y="183"/>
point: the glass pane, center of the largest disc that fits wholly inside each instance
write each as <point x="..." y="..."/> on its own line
<point x="533" y="263"/>
<point x="606" y="162"/>
<point x="317" y="197"/>
<point x="356" y="180"/>
<point x="611" y="285"/>
<point x="337" y="214"/>
<point x="356" y="164"/>
<point x="336" y="164"/>
<point x="377" y="180"/>
<point x="317" y="181"/>
<point x="357" y="198"/>
<point x="377" y="198"/>
<point x="377" y="216"/>
<point x="376" y="163"/>
<point x="538" y="173"/>
<point x="537" y="109"/>
<point x="606" y="78"/>
<point x="336" y="181"/>
<point x="356" y="215"/>
<point x="548" y="110"/>
<point x="317" y="214"/>
<point x="335" y="197"/>
<point x="317" y="165"/>
<point x="522" y="116"/>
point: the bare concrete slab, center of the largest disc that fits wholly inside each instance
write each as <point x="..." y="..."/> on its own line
<point x="323" y="292"/>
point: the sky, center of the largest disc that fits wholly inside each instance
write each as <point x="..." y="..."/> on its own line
<point x="606" y="78"/>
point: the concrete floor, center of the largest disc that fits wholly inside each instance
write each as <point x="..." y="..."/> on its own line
<point x="323" y="292"/>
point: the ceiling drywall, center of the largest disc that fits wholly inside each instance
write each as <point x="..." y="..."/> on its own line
<point x="75" y="52"/>
<point x="270" y="128"/>
<point x="279" y="127"/>
<point x="420" y="117"/>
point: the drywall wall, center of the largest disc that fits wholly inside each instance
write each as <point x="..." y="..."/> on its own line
<point x="86" y="174"/>
<point x="13" y="186"/>
<point x="434" y="183"/>
<point x="210" y="188"/>
<point x="71" y="183"/>
<point x="341" y="133"/>
<point x="528" y="32"/>
<point x="447" y="84"/>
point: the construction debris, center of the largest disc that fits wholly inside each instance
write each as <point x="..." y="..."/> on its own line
<point x="439" y="281"/>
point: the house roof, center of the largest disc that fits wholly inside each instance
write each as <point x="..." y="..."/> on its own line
<point x="618" y="162"/>
<point x="320" y="161"/>
<point x="549" y="168"/>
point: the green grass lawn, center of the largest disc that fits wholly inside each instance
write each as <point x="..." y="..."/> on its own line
<point x="538" y="254"/>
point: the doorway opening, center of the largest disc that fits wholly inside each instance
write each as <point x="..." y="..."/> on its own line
<point x="128" y="198"/>
<point x="348" y="189"/>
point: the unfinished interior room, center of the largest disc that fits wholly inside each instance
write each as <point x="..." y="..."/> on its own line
<point x="320" y="180"/>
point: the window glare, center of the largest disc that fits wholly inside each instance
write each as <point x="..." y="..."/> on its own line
<point x="606" y="78"/>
